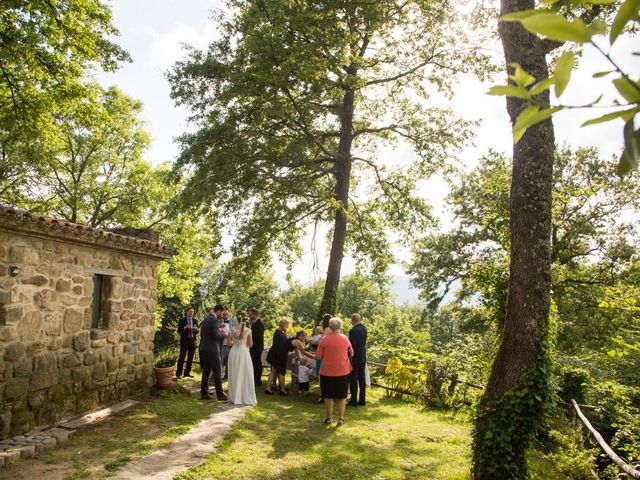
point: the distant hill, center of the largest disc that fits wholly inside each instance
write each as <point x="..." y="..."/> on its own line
<point x="400" y="288"/>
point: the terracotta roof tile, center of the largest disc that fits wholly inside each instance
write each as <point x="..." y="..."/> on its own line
<point x="20" y="215"/>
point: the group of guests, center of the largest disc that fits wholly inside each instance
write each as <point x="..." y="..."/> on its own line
<point x="340" y="361"/>
<point x="227" y="342"/>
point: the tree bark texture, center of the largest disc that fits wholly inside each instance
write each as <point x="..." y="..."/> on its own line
<point x="343" y="177"/>
<point x="517" y="388"/>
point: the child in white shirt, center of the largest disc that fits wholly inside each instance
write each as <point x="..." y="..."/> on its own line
<point x="304" y="371"/>
<point x="315" y="339"/>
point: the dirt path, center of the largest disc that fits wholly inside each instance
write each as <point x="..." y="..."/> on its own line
<point x="189" y="450"/>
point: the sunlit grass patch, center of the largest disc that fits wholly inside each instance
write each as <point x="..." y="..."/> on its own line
<point x="285" y="438"/>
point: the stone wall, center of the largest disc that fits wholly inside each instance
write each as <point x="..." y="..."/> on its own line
<point x="54" y="365"/>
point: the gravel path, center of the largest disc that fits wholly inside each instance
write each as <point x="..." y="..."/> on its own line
<point x="187" y="451"/>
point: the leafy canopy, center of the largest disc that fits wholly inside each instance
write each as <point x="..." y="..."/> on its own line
<point x="270" y="102"/>
<point x="46" y="51"/>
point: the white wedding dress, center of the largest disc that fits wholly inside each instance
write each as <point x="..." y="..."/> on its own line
<point x="242" y="390"/>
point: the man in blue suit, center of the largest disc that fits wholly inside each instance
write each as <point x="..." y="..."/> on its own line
<point x="358" y="339"/>
<point x="211" y="336"/>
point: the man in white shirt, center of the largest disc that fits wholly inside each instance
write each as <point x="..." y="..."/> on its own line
<point x="229" y="323"/>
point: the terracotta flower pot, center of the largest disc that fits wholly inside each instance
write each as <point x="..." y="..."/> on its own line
<point x="164" y="376"/>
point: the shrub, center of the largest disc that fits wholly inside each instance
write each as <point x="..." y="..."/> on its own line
<point x="570" y="457"/>
<point x="166" y="357"/>
<point x="572" y="384"/>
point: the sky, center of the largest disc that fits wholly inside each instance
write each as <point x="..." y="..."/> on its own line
<point x="154" y="32"/>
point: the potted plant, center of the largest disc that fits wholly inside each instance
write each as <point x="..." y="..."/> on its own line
<point x="165" y="366"/>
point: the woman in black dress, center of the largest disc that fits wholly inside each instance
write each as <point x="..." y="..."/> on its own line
<point x="277" y="357"/>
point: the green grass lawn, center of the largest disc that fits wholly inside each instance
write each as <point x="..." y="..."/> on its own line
<point x="285" y="438"/>
<point x="280" y="438"/>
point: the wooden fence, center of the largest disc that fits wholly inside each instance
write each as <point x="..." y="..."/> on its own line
<point x="426" y="396"/>
<point x="625" y="467"/>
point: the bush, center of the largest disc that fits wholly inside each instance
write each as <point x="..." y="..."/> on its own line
<point x="166" y="357"/>
<point x="419" y="373"/>
<point x="564" y="450"/>
<point x="573" y="383"/>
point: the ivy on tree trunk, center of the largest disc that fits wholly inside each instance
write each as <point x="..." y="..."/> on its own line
<point x="509" y="410"/>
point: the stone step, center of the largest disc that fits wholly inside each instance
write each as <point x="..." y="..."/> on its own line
<point x="34" y="443"/>
<point x="97" y="416"/>
<point x="9" y="458"/>
<point x="60" y="434"/>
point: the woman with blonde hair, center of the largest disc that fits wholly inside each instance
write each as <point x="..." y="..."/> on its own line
<point x="335" y="350"/>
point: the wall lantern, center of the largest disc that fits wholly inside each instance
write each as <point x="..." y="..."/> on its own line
<point x="14" y="270"/>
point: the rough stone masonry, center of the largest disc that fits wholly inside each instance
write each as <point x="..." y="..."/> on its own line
<point x="77" y="308"/>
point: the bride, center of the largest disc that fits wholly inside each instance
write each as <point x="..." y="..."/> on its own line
<point x="241" y="382"/>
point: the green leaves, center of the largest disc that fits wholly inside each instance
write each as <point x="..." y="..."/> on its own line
<point x="629" y="89"/>
<point x="530" y="116"/>
<point x="627" y="12"/>
<point x="624" y="114"/>
<point x="629" y="158"/>
<point x="509" y="91"/>
<point x="550" y="23"/>
<point x="520" y="77"/>
<point x="553" y="25"/>
<point x="535" y="112"/>
<point x="47" y="50"/>
<point x="556" y="27"/>
<point x="522" y="80"/>
<point x="562" y="73"/>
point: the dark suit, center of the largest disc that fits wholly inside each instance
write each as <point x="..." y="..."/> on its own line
<point x="358" y="339"/>
<point x="257" y="332"/>
<point x="210" y="346"/>
<point x="187" y="345"/>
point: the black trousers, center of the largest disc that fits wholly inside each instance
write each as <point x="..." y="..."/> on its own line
<point x="210" y="362"/>
<point x="356" y="378"/>
<point x="256" y="359"/>
<point x="188" y="349"/>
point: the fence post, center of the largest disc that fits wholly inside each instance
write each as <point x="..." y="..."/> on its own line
<point x="628" y="469"/>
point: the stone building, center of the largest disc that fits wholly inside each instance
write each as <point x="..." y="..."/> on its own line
<point x="77" y="308"/>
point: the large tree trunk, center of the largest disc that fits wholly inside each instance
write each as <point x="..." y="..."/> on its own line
<point x="517" y="388"/>
<point x="343" y="177"/>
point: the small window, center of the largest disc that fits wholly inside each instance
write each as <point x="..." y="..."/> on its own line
<point x="96" y="304"/>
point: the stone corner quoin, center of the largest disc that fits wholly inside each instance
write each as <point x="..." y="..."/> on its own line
<point x="77" y="308"/>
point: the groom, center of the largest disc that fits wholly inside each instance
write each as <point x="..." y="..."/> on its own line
<point x="358" y="339"/>
<point x="211" y="336"/>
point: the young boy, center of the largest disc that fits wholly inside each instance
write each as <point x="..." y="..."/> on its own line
<point x="315" y="339"/>
<point x="304" y="370"/>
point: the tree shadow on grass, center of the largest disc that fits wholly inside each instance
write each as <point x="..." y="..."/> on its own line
<point x="355" y="450"/>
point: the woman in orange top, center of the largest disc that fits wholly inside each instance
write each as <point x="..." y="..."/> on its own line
<point x="335" y="350"/>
